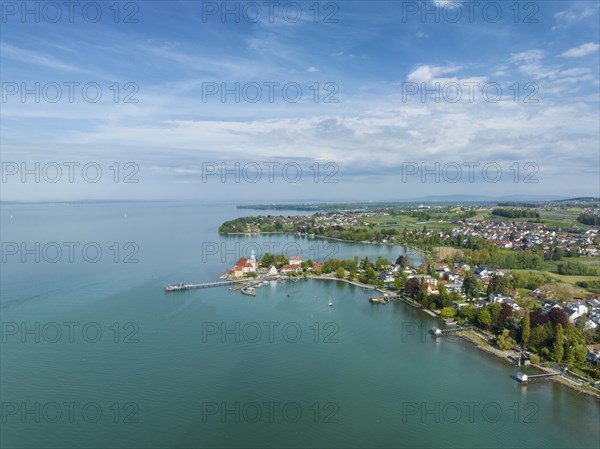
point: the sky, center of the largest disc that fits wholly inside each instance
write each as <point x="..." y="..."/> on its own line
<point x="293" y="101"/>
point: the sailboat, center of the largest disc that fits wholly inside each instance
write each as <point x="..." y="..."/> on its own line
<point x="330" y="303"/>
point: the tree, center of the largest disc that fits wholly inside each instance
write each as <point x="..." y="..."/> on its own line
<point x="505" y="341"/>
<point x="559" y="346"/>
<point x="497" y="284"/>
<point x="401" y="261"/>
<point x="541" y="336"/>
<point x="365" y="263"/>
<point x="447" y="312"/>
<point x="470" y="284"/>
<point x="506" y="312"/>
<point x="558" y="316"/>
<point x="484" y="318"/>
<point x="340" y="273"/>
<point x="526" y="329"/>
<point x="381" y="263"/>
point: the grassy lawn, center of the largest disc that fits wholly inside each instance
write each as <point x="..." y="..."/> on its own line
<point x="593" y="260"/>
<point x="562" y="218"/>
<point x="572" y="279"/>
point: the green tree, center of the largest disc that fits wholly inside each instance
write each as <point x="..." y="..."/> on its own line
<point x="484" y="318"/>
<point x="470" y="284"/>
<point x="340" y="273"/>
<point x="497" y="284"/>
<point x="505" y="341"/>
<point x="559" y="346"/>
<point x="447" y="312"/>
<point x="526" y="329"/>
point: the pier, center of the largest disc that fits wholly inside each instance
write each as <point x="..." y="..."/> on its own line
<point x="525" y="378"/>
<point x="182" y="287"/>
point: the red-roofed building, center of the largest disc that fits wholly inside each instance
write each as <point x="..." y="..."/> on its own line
<point x="245" y="266"/>
<point x="290" y="268"/>
<point x="295" y="260"/>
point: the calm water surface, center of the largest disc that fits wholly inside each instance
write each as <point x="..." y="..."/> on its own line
<point x="211" y="368"/>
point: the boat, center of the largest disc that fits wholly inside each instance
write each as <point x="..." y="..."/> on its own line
<point x="330" y="303"/>
<point x="436" y="331"/>
<point x="378" y="300"/>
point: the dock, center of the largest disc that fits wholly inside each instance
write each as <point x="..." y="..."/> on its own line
<point x="247" y="290"/>
<point x="378" y="299"/>
<point x="525" y="378"/>
<point x="181" y="287"/>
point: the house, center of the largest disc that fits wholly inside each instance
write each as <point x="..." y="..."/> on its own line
<point x="588" y="324"/>
<point x="425" y="278"/>
<point x="549" y="305"/>
<point x="386" y="277"/>
<point x="431" y="288"/>
<point x="272" y="270"/>
<point x="318" y="266"/>
<point x="497" y="297"/>
<point x="295" y="260"/>
<point x="513" y="304"/>
<point x="483" y="271"/>
<point x="454" y="287"/>
<point x="290" y="268"/>
<point x="245" y="266"/>
<point x="593" y="303"/>
<point x="441" y="267"/>
<point x="595" y="317"/>
<point x="577" y="306"/>
<point x="479" y="304"/>
<point x="459" y="304"/>
<point x="573" y="316"/>
<point x="593" y="353"/>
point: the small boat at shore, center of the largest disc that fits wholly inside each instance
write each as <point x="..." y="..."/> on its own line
<point x="378" y="300"/>
<point x="436" y="331"/>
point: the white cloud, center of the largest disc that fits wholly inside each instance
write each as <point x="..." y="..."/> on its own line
<point x="312" y="69"/>
<point x="582" y="50"/>
<point x="426" y="73"/>
<point x="443" y="3"/>
<point x="565" y="19"/>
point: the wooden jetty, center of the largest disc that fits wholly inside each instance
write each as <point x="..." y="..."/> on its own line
<point x="181" y="287"/>
<point x="525" y="378"/>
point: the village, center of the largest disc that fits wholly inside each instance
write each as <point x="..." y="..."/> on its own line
<point x="448" y="290"/>
<point x="439" y="223"/>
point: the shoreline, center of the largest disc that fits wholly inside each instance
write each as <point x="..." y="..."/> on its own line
<point x="503" y="355"/>
<point x="476" y="341"/>
<point x="584" y="388"/>
<point x="421" y="253"/>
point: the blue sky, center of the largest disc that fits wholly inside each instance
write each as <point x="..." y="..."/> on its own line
<point x="371" y="60"/>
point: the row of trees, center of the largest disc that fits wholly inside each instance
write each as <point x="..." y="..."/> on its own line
<point x="589" y="219"/>
<point x="515" y="213"/>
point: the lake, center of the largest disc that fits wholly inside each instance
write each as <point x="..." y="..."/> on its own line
<point x="96" y="354"/>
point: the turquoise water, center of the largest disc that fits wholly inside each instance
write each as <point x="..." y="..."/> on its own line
<point x="201" y="368"/>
